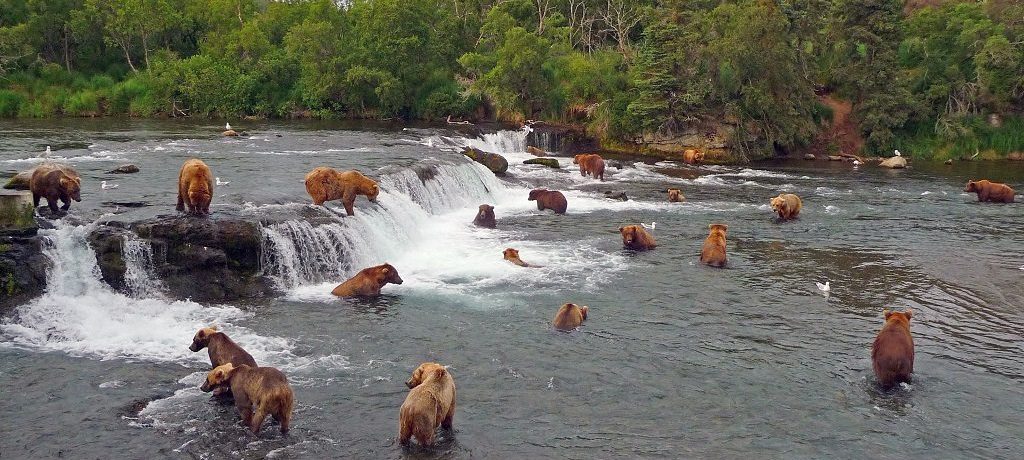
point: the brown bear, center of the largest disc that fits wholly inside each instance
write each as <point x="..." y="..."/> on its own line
<point x="590" y="163"/>
<point x="368" y="282"/>
<point x="787" y="205"/>
<point x="512" y="255"/>
<point x="195" y="187"/>
<point x="327" y="184"/>
<point x="221" y="348"/>
<point x="713" y="252"/>
<point x="636" y="238"/>
<point x="53" y="182"/>
<point x="892" y="354"/>
<point x="264" y="387"/>
<point x="693" y="156"/>
<point x="570" y="316"/>
<point x="990" y="191"/>
<point x="535" y="151"/>
<point x="549" y="199"/>
<point x="429" y="404"/>
<point x="675" y="196"/>
<point x="485" y="217"/>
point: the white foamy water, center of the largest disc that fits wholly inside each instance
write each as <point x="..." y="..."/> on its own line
<point x="82" y="316"/>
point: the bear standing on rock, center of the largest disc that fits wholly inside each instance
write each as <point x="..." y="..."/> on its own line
<point x="195" y="187"/>
<point x="892" y="354"/>
<point x="549" y="199"/>
<point x="787" y="205"/>
<point x="53" y="182"/>
<point x="327" y="184"/>
<point x="990" y="191"/>
<point x="368" y="282"/>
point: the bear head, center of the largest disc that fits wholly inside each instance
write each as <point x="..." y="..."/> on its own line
<point x="424" y="372"/>
<point x="778" y="203"/>
<point x="675" y="194"/>
<point x="718" y="228"/>
<point x="576" y="159"/>
<point x="218" y="377"/>
<point x="898" y="316"/>
<point x="971" y="186"/>
<point x="72" y="186"/>
<point x="699" y="156"/>
<point x="387" y="274"/>
<point x="536" y="193"/>
<point x="511" y="254"/>
<point x="373" y="191"/>
<point x="486" y="212"/>
<point x="630" y="234"/>
<point x="202" y="338"/>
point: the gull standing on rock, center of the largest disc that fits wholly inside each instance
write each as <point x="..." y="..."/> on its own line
<point x="897" y="152"/>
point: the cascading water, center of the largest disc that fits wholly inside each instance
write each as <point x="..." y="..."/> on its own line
<point x="81" y="315"/>
<point x="298" y="252"/>
<point x="139" y="279"/>
<point x="503" y="142"/>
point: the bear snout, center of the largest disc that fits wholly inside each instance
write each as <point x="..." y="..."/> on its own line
<point x="206" y="387"/>
<point x="194" y="347"/>
<point x="409" y="384"/>
<point x="397" y="279"/>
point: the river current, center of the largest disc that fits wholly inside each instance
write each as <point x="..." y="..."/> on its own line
<point x="676" y="360"/>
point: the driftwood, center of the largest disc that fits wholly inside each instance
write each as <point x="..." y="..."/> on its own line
<point x="450" y="122"/>
<point x="850" y="155"/>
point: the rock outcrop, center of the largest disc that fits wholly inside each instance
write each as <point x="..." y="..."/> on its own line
<point x="549" y="162"/>
<point x="894" y="163"/>
<point x="496" y="163"/>
<point x="124" y="169"/>
<point x="22" y="270"/>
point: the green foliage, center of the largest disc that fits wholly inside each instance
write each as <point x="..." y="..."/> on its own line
<point x="10" y="102"/>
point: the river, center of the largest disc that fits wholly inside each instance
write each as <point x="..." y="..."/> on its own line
<point x="676" y="360"/>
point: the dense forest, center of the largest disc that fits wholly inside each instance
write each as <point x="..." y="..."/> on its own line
<point x="936" y="78"/>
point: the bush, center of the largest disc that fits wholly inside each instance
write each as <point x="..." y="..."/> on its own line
<point x="83" y="104"/>
<point x="10" y="102"/>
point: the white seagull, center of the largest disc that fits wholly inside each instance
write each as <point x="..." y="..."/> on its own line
<point x="105" y="186"/>
<point x="649" y="227"/>
<point x="227" y="126"/>
<point x="824" y="288"/>
<point x="856" y="162"/>
<point x="898" y="153"/>
<point x="46" y="153"/>
<point x="219" y="182"/>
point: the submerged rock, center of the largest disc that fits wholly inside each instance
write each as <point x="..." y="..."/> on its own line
<point x="549" y="162"/>
<point x="810" y="156"/>
<point x="621" y="196"/>
<point x="496" y="163"/>
<point x="894" y="163"/>
<point x="124" y="169"/>
<point x="211" y="259"/>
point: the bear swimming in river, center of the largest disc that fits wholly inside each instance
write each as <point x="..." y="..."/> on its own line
<point x="892" y="354"/>
<point x="265" y="387"/>
<point x="485" y="217"/>
<point x="570" y="316"/>
<point x="990" y="191"/>
<point x="636" y="238"/>
<point x="195" y="187"/>
<point x="512" y="255"/>
<point x="368" y="282"/>
<point x="326" y="184"/>
<point x="429" y="404"/>
<point x="713" y="252"/>
<point x="675" y="195"/>
<point x="53" y="182"/>
<point x="549" y="199"/>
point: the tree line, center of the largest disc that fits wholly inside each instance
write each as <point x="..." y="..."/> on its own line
<point x="923" y="74"/>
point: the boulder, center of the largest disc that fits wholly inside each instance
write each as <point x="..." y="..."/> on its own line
<point x="549" y="162"/>
<point x="124" y="169"/>
<point x="894" y="163"/>
<point x="810" y="156"/>
<point x="615" y="164"/>
<point x="22" y="270"/>
<point x="208" y="260"/>
<point x="17" y="216"/>
<point x="230" y="133"/>
<point x="535" y="151"/>
<point x="496" y="163"/>
<point x="20" y="181"/>
<point x="1015" y="156"/>
<point x="621" y="196"/>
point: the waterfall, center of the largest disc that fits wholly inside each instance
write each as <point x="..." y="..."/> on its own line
<point x="330" y="246"/>
<point x="139" y="279"/>
<point x="503" y="141"/>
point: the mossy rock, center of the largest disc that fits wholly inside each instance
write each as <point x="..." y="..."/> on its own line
<point x="496" y="163"/>
<point x="549" y="162"/>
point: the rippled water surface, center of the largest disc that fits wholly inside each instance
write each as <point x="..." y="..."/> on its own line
<point x="676" y="360"/>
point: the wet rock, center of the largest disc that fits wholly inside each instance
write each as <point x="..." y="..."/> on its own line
<point x="124" y="169"/>
<point x="549" y="162"/>
<point x="615" y="164"/>
<point x="1015" y="156"/>
<point x="496" y="163"/>
<point x="211" y="259"/>
<point x="230" y="133"/>
<point x="835" y="158"/>
<point x="621" y="196"/>
<point x="894" y="163"/>
<point x="20" y="181"/>
<point x="535" y="151"/>
<point x="22" y="270"/>
<point x="810" y="156"/>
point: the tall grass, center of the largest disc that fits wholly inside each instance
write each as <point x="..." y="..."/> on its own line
<point x="977" y="136"/>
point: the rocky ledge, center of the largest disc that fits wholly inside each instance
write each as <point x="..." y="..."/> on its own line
<point x="204" y="259"/>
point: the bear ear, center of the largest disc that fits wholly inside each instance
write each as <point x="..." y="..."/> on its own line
<point x="621" y="229"/>
<point x="385" y="270"/>
<point x="886" y="313"/>
<point x="908" y="313"/>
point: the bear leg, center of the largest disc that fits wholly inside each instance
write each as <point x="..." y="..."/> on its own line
<point x="257" y="419"/>
<point x="448" y="419"/>
<point x="35" y="200"/>
<point x="404" y="432"/>
<point x="51" y="201"/>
